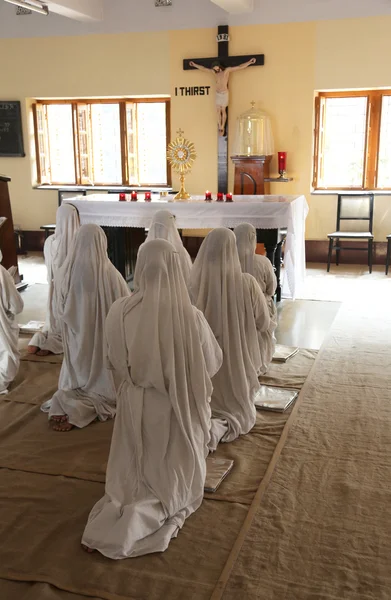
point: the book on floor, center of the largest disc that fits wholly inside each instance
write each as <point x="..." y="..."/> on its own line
<point x="275" y="398"/>
<point x="32" y="327"/>
<point x="284" y="353"/>
<point x="217" y="470"/>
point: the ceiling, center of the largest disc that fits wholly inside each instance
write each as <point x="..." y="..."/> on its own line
<point x="77" y="17"/>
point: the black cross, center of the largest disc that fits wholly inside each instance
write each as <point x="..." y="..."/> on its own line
<point x="226" y="61"/>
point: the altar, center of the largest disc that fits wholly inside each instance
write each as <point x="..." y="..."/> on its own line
<point x="270" y="212"/>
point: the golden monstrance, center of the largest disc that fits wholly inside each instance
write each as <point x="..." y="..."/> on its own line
<point x="181" y="154"/>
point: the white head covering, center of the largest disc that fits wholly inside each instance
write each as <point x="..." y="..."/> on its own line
<point x="163" y="227"/>
<point x="88" y="267"/>
<point x="86" y="286"/>
<point x="55" y="251"/>
<point x="246" y="241"/>
<point x="258" y="266"/>
<point x="262" y="270"/>
<point x="220" y="290"/>
<point x="67" y="225"/>
<point x="165" y="354"/>
<point x="11" y="304"/>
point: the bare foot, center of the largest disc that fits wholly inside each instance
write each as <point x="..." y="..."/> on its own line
<point x="87" y="549"/>
<point x="62" y="424"/>
<point x="32" y="349"/>
<point x="59" y="418"/>
<point x="44" y="353"/>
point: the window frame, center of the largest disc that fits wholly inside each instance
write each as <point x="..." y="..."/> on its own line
<point x="372" y="139"/>
<point x="122" y="102"/>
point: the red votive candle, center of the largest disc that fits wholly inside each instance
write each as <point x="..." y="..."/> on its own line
<point x="147" y="196"/>
<point x="228" y="198"/>
<point x="220" y="197"/>
<point x="208" y="196"/>
<point x="133" y="197"/>
<point x="281" y="161"/>
<point x="122" y="197"/>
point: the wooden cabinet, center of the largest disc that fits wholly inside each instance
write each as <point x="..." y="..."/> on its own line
<point x="250" y="175"/>
<point x="7" y="236"/>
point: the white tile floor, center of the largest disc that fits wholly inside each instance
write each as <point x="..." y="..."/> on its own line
<point x="303" y="323"/>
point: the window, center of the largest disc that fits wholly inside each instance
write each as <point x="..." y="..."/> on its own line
<point x="102" y="142"/>
<point x="352" y="147"/>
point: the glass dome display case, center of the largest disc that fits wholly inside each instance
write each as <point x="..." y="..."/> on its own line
<point x="254" y="135"/>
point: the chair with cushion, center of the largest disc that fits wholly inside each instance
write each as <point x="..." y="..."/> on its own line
<point x="388" y="258"/>
<point x="354" y="222"/>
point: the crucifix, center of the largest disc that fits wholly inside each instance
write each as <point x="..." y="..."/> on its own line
<point x="222" y="66"/>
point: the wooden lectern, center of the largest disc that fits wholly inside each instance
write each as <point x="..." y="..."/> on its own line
<point x="7" y="235"/>
<point x="252" y="178"/>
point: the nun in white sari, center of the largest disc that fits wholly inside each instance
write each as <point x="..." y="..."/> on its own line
<point x="163" y="227"/>
<point x="163" y="350"/>
<point x="55" y="252"/>
<point x="261" y="268"/>
<point x="86" y="287"/>
<point x="235" y="308"/>
<point x="11" y="304"/>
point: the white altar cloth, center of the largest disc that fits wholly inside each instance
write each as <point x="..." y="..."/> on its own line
<point x="263" y="212"/>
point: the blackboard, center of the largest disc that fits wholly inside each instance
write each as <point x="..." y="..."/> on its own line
<point x="11" y="136"/>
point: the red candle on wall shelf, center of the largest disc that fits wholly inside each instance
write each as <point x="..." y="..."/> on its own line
<point x="133" y="197"/>
<point x="208" y="196"/>
<point x="122" y="197"/>
<point x="147" y="196"/>
<point x="281" y="162"/>
<point x="228" y="198"/>
<point x="220" y="197"/>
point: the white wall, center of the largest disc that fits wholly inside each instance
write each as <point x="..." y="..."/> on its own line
<point x="141" y="15"/>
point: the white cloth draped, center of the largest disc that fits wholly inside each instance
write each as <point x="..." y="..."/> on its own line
<point x="86" y="286"/>
<point x="163" y="227"/>
<point x="234" y="307"/>
<point x="165" y="354"/>
<point x="264" y="212"/>
<point x="262" y="269"/>
<point x="11" y="304"/>
<point x="55" y="252"/>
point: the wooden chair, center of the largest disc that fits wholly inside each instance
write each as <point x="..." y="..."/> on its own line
<point x="388" y="257"/>
<point x="352" y="208"/>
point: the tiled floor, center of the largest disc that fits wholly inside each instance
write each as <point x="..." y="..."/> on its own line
<point x="344" y="283"/>
<point x="304" y="322"/>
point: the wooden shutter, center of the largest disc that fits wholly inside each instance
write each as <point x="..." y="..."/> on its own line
<point x="320" y="105"/>
<point x="42" y="143"/>
<point x="84" y="143"/>
<point x="132" y="149"/>
<point x="372" y="140"/>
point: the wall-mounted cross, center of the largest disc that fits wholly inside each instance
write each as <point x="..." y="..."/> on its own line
<point x="234" y="62"/>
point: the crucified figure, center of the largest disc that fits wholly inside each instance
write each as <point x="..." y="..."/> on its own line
<point x="222" y="95"/>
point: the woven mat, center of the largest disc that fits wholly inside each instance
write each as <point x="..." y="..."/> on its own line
<point x="49" y="482"/>
<point x="321" y="529"/>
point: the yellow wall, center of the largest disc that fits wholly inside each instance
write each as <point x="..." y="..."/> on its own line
<point x="95" y="65"/>
<point x="350" y="54"/>
<point x="299" y="59"/>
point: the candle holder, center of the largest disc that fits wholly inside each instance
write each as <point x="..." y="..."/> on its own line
<point x="220" y="197"/>
<point x="147" y="197"/>
<point x="208" y="196"/>
<point x="122" y="197"/>
<point x="133" y="197"/>
<point x="228" y="198"/>
<point x="282" y="164"/>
